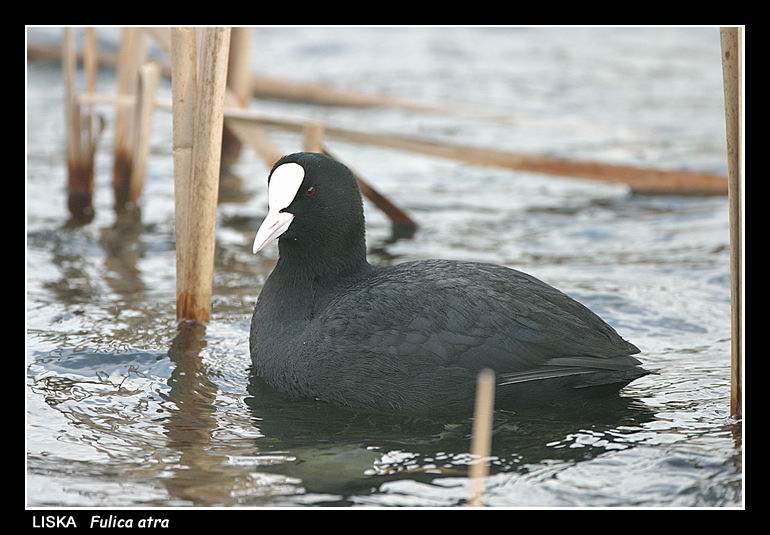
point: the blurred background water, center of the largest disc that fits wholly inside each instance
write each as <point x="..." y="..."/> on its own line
<point x="124" y="411"/>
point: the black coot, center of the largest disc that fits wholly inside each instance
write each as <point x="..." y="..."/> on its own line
<point x="410" y="338"/>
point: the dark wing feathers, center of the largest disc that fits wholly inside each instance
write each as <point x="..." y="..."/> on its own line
<point x="615" y="363"/>
<point x="472" y="315"/>
<point x="540" y="374"/>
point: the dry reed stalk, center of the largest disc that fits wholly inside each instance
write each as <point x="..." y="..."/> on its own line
<point x="731" y="71"/>
<point x="126" y="102"/>
<point x="71" y="115"/>
<point x="237" y="95"/>
<point x="313" y="134"/>
<point x="239" y="83"/>
<point x="294" y="91"/>
<point x="89" y="65"/>
<point x="184" y="95"/>
<point x="239" y="64"/>
<point x="147" y="85"/>
<point x="642" y="180"/>
<point x="80" y="142"/>
<point x="89" y="59"/>
<point x="481" y="441"/>
<point x="133" y="51"/>
<point x="198" y="88"/>
<point x="249" y="133"/>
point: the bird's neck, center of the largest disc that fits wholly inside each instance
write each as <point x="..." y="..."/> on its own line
<point x="319" y="263"/>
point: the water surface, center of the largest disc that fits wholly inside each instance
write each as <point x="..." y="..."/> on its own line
<point x="125" y="410"/>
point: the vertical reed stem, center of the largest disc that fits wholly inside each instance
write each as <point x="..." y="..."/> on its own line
<point x="89" y="65"/>
<point x="197" y="140"/>
<point x="133" y="50"/>
<point x="147" y="86"/>
<point x="71" y="120"/>
<point x="89" y="59"/>
<point x="314" y="135"/>
<point x="481" y="441"/>
<point x="79" y="167"/>
<point x="731" y="71"/>
<point x="184" y="95"/>
<point x="239" y="83"/>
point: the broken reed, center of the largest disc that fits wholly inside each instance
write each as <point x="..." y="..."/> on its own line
<point x="641" y="180"/>
<point x="81" y="134"/>
<point x="132" y="54"/>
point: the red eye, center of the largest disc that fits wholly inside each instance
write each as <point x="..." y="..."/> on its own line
<point x="310" y="192"/>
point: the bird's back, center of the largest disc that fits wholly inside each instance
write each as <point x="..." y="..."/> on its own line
<point x="429" y="326"/>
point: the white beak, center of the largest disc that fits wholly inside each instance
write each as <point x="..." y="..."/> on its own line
<point x="275" y="224"/>
<point x="285" y="182"/>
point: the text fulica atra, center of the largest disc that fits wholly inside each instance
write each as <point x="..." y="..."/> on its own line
<point x="411" y="337"/>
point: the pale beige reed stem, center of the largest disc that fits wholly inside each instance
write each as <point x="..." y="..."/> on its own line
<point x="89" y="59"/>
<point x="643" y="180"/>
<point x="313" y="133"/>
<point x="292" y="90"/>
<point x="640" y="179"/>
<point x="89" y="65"/>
<point x="237" y="95"/>
<point x="149" y="75"/>
<point x="239" y="84"/>
<point x="239" y="65"/>
<point x="184" y="89"/>
<point x="481" y="441"/>
<point x="71" y="107"/>
<point x="79" y="141"/>
<point x="198" y="139"/>
<point x="132" y="53"/>
<point x="731" y="71"/>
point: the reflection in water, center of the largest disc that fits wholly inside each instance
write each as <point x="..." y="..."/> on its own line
<point x="191" y="421"/>
<point x="220" y="442"/>
<point x="123" y="248"/>
<point x="201" y="475"/>
<point x="73" y="285"/>
<point x="736" y="432"/>
<point x="116" y="419"/>
<point x="365" y="451"/>
<point x="380" y="250"/>
<point x="400" y="232"/>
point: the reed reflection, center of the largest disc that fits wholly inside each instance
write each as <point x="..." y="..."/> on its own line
<point x="123" y="249"/>
<point x="201" y="475"/>
<point x="371" y="449"/>
<point x="191" y="421"/>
